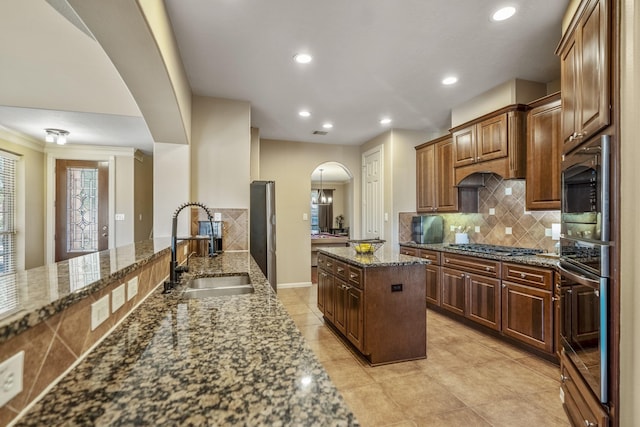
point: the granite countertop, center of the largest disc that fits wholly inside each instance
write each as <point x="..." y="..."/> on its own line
<point x="45" y="291"/>
<point x="545" y="261"/>
<point x="228" y="360"/>
<point x="383" y="257"/>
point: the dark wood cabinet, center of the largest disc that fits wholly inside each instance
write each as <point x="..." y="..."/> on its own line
<point x="435" y="185"/>
<point x="433" y="272"/>
<point x="378" y="309"/>
<point x="527" y="305"/>
<point x="581" y="406"/>
<point x="483" y="300"/>
<point x="452" y="294"/>
<point x="495" y="142"/>
<point x="585" y="73"/>
<point x="544" y="154"/>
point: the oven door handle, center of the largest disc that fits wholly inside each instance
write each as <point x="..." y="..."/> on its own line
<point x="579" y="278"/>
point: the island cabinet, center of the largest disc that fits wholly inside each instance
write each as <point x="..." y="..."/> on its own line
<point x="527" y="305"/>
<point x="435" y="177"/>
<point x="433" y="272"/>
<point x="379" y="309"/>
<point x="544" y="152"/>
<point x="470" y="287"/>
<point x="495" y="142"/>
<point x="585" y="73"/>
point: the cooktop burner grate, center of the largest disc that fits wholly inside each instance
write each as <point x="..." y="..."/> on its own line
<point x="495" y="249"/>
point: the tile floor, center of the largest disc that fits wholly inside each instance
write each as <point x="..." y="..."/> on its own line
<point x="468" y="379"/>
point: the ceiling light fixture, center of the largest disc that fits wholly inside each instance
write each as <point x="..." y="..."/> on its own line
<point x="59" y="136"/>
<point x="327" y="125"/>
<point x="504" y="13"/>
<point x="385" y="121"/>
<point x="302" y="58"/>
<point x="449" y="80"/>
<point x="321" y="199"/>
<point x="304" y="113"/>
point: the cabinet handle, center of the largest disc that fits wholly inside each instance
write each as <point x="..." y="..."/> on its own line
<point x="340" y="270"/>
<point x="563" y="378"/>
<point x="462" y="275"/>
<point x="352" y="276"/>
<point x="504" y="286"/>
<point x="554" y="299"/>
<point x="522" y="275"/>
<point x="588" y="423"/>
<point x="487" y="268"/>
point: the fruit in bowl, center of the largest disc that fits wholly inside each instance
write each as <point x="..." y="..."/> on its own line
<point x="366" y="246"/>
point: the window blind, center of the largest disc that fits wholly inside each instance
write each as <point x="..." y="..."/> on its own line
<point x="8" y="286"/>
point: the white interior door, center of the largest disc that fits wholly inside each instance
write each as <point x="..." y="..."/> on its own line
<point x="372" y="194"/>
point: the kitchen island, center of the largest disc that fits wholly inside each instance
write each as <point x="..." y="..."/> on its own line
<point x="226" y="360"/>
<point x="376" y="302"/>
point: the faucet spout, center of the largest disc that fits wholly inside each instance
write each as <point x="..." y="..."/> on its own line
<point x="173" y="267"/>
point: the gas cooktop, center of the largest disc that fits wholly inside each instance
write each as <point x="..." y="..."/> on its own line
<point x="495" y="249"/>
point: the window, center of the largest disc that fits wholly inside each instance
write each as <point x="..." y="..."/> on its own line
<point x="8" y="287"/>
<point x="321" y="213"/>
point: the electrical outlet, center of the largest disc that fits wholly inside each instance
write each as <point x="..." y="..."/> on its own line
<point x="99" y="311"/>
<point x="117" y="298"/>
<point x="217" y="216"/>
<point x="11" y="377"/>
<point x="132" y="288"/>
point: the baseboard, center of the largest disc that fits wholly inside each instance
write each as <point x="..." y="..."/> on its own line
<point x="294" y="285"/>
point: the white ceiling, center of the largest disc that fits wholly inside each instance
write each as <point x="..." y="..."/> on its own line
<point x="372" y="58"/>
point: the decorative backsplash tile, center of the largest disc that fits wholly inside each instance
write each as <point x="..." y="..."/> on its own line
<point x="497" y="211"/>
<point x="235" y="227"/>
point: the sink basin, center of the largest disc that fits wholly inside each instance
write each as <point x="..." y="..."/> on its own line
<point x="217" y="286"/>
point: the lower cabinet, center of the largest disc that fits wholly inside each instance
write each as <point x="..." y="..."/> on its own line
<point x="453" y="290"/>
<point x="483" y="300"/>
<point x="355" y="317"/>
<point x="581" y="406"/>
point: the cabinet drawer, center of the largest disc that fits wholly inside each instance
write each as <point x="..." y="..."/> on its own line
<point x="405" y="250"/>
<point x="531" y="276"/>
<point x="340" y="270"/>
<point x="326" y="263"/>
<point x="469" y="264"/>
<point x="355" y="276"/>
<point x="582" y="407"/>
<point x="433" y="256"/>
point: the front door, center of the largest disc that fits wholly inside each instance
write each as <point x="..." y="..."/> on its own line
<point x="82" y="207"/>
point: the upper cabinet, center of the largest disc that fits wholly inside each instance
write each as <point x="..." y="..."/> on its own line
<point x="544" y="151"/>
<point x="492" y="143"/>
<point x="585" y="57"/>
<point x="436" y="191"/>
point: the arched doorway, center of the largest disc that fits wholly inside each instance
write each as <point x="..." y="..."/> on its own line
<point x="332" y="209"/>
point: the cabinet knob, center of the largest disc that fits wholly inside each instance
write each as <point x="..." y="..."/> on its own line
<point x="487" y="268"/>
<point x="504" y="286"/>
<point x="588" y="423"/>
<point x="563" y="378"/>
<point x="462" y="275"/>
<point x="522" y="275"/>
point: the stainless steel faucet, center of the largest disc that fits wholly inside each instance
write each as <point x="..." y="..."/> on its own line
<point x="173" y="267"/>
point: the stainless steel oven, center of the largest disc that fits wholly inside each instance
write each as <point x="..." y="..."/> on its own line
<point x="584" y="261"/>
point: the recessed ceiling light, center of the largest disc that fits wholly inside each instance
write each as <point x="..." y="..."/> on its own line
<point x="449" y="80"/>
<point x="302" y="58"/>
<point x="327" y="125"/>
<point x="504" y="13"/>
<point x="385" y="121"/>
<point x="304" y="113"/>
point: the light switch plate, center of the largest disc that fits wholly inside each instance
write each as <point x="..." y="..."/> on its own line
<point x="117" y="298"/>
<point x="305" y="217"/>
<point x="132" y="288"/>
<point x="120" y="217"/>
<point x="11" y="371"/>
<point x="99" y="311"/>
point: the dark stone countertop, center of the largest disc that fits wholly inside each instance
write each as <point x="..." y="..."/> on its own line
<point x="384" y="257"/>
<point x="545" y="261"/>
<point x="227" y="360"/>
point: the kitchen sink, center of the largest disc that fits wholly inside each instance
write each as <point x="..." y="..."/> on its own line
<point x="203" y="287"/>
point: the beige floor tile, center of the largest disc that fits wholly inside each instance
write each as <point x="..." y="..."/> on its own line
<point x="541" y="366"/>
<point x="517" y="411"/>
<point x="548" y="401"/>
<point x="420" y="396"/>
<point x="329" y="349"/>
<point x="317" y="332"/>
<point x="521" y="380"/>
<point x="297" y="308"/>
<point x="372" y="406"/>
<point x="306" y="319"/>
<point x="347" y="373"/>
<point x="383" y="373"/>
<point x="404" y="423"/>
<point x="465" y="417"/>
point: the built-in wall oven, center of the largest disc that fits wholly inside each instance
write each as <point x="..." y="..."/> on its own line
<point x="584" y="261"/>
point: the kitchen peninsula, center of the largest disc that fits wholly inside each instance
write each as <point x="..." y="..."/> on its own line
<point x="375" y="301"/>
<point x="215" y="361"/>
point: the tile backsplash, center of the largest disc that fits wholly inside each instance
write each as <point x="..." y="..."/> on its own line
<point x="235" y="226"/>
<point x="498" y="214"/>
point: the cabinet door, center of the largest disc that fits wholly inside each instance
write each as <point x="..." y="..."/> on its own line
<point x="433" y="284"/>
<point x="483" y="300"/>
<point x="329" y="298"/>
<point x="464" y="146"/>
<point x="582" y="408"/>
<point x="569" y="95"/>
<point x="426" y="178"/>
<point x="527" y="315"/>
<point x="340" y="312"/>
<point x="594" y="68"/>
<point x="492" y="138"/>
<point x="452" y="290"/>
<point x="355" y="317"/>
<point x="544" y="151"/>
<point x="322" y="283"/>
<point x="446" y="192"/>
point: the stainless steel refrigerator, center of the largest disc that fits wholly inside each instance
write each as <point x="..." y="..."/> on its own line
<point x="262" y="228"/>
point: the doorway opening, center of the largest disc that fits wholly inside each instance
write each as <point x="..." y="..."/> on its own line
<point x="331" y="207"/>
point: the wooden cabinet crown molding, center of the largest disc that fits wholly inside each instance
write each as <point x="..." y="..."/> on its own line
<point x="507" y="109"/>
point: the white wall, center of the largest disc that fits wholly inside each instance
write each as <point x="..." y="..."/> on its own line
<point x="220" y="152"/>
<point x="124" y="198"/>
<point x="171" y="186"/>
